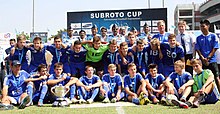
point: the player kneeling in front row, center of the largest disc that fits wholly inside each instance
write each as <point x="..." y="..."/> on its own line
<point x="92" y="83"/>
<point x="155" y="85"/>
<point x="135" y="86"/>
<point x="179" y="83"/>
<point x="39" y="82"/>
<point x="15" y="88"/>
<point x="204" y="87"/>
<point x="61" y="79"/>
<point x="112" y="85"/>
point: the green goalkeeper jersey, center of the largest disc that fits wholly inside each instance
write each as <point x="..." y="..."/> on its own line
<point x="200" y="80"/>
<point x="95" y="55"/>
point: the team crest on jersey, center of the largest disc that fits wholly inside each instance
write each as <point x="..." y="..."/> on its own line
<point x="209" y="39"/>
<point x="173" y="55"/>
<point x="34" y="51"/>
<point x="76" y="55"/>
<point x="60" y="53"/>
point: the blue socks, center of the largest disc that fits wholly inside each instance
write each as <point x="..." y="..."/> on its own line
<point x="135" y="101"/>
<point x="30" y="90"/>
<point x="43" y="91"/>
<point x="94" y="93"/>
<point x="72" y="91"/>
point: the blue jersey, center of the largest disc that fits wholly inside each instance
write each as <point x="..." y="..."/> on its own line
<point x="144" y="36"/>
<point x="178" y="80"/>
<point x="118" y="38"/>
<point x="20" y="55"/>
<point x="89" y="81"/>
<point x="63" y="83"/>
<point x="109" y="57"/>
<point x="16" y="84"/>
<point x="90" y="37"/>
<point x="162" y="37"/>
<point x="133" y="83"/>
<point x="38" y="83"/>
<point x="37" y="58"/>
<point x="129" y="58"/>
<point x="140" y="57"/>
<point x="171" y="55"/>
<point x="68" y="41"/>
<point x="59" y="55"/>
<point x="205" y="44"/>
<point x="113" y="82"/>
<point x="8" y="50"/>
<point x="155" y="81"/>
<point x="77" y="57"/>
<point x="130" y="46"/>
<point x="152" y="56"/>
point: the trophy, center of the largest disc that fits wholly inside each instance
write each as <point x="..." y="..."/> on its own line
<point x="60" y="91"/>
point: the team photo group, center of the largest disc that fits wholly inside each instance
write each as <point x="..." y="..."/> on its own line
<point x="126" y="66"/>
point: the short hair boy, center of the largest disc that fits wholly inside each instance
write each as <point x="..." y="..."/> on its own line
<point x="112" y="85"/>
<point x="134" y="86"/>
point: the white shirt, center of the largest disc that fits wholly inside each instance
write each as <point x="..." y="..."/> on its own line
<point x="189" y="40"/>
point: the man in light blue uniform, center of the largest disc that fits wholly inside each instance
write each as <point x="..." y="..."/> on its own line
<point x="162" y="35"/>
<point x="116" y="35"/>
<point x="15" y="88"/>
<point x="146" y="35"/>
<point x="70" y="38"/>
<point x="94" y="31"/>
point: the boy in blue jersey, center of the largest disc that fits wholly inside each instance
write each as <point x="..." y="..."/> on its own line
<point x="154" y="54"/>
<point x="171" y="53"/>
<point x="40" y="84"/>
<point x="155" y="85"/>
<point x="131" y="40"/>
<point x="206" y="46"/>
<point x="60" y="78"/>
<point x="92" y="83"/>
<point x="162" y="35"/>
<point x="179" y="82"/>
<point x="59" y="52"/>
<point x="122" y="68"/>
<point x="15" y="88"/>
<point x="77" y="58"/>
<point x="140" y="56"/>
<point x="18" y="52"/>
<point x="37" y="55"/>
<point x="112" y="85"/>
<point x="109" y="57"/>
<point x="135" y="86"/>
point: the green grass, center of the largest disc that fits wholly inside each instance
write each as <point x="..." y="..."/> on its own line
<point x="147" y="109"/>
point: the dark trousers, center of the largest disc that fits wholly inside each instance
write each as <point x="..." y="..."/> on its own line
<point x="189" y="68"/>
<point x="214" y="68"/>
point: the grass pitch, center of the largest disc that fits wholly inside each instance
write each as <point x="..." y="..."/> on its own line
<point x="146" y="109"/>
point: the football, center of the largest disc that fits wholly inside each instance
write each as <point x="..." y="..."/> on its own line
<point x="169" y="97"/>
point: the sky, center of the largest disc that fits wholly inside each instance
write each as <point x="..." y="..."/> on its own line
<point x="51" y="15"/>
